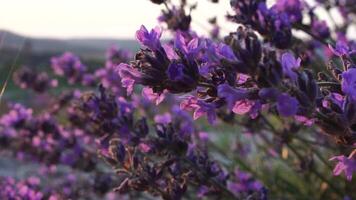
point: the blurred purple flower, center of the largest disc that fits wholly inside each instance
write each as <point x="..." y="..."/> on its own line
<point x="149" y="39"/>
<point x="225" y="51"/>
<point x="345" y="164"/>
<point x="348" y="84"/>
<point x="18" y="114"/>
<point x="128" y="76"/>
<point x="200" y="108"/>
<point x="244" y="182"/>
<point x="231" y="95"/>
<point x="70" y="66"/>
<point x="340" y="49"/>
<point x="151" y="96"/>
<point x="242" y="107"/>
<point x="189" y="48"/>
<point x="321" y="29"/>
<point x="293" y="8"/>
<point x="286" y="105"/>
<point x="175" y="71"/>
<point x="165" y="118"/>
<point x="289" y="64"/>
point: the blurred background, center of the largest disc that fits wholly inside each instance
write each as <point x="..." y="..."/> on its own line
<point x="85" y="27"/>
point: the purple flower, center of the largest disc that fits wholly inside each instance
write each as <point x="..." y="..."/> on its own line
<point x="289" y="64"/>
<point x="29" y="78"/>
<point x="70" y="66"/>
<point x="244" y="182"/>
<point x="128" y="76"/>
<point x="115" y="56"/>
<point x="242" y="107"/>
<point x="187" y="123"/>
<point x="151" y="96"/>
<point x="202" y="191"/>
<point x="18" y="114"/>
<point x="149" y="39"/>
<point x="166" y="118"/>
<point x="225" y="51"/>
<point x="215" y="52"/>
<point x="293" y="8"/>
<point x="268" y="93"/>
<point x="286" y="105"/>
<point x="188" y="48"/>
<point x="200" y="108"/>
<point x="231" y="95"/>
<point x="348" y="85"/>
<point x="171" y="54"/>
<point x="175" y="71"/>
<point x="346" y="164"/>
<point x="340" y="49"/>
<point x="321" y="29"/>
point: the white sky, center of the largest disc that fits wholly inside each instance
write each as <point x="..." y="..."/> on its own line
<point x="100" y="18"/>
<point x="90" y="18"/>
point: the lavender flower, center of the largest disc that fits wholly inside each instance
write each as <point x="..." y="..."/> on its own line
<point x="290" y="64"/>
<point x="200" y="108"/>
<point x="30" y="79"/>
<point x="345" y="164"/>
<point x="286" y="105"/>
<point x="70" y="66"/>
<point x="349" y="82"/>
<point x="231" y="95"/>
<point x="129" y="76"/>
<point x="149" y="39"/>
<point x="293" y="8"/>
<point x="341" y="49"/>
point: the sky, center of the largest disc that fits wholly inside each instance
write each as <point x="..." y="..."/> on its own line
<point x="91" y="18"/>
<point x="102" y="18"/>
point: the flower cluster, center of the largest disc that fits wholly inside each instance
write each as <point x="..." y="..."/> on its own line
<point x="70" y="66"/>
<point x="273" y="100"/>
<point x="26" y="78"/>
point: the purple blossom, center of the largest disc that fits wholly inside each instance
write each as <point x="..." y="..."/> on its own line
<point x="268" y="93"/>
<point x="129" y="76"/>
<point x="175" y="72"/>
<point x="243" y="182"/>
<point x="289" y="64"/>
<point x="321" y="29"/>
<point x="187" y="124"/>
<point x="242" y="107"/>
<point x="115" y="56"/>
<point x="231" y="95"/>
<point x="150" y="39"/>
<point x="348" y="84"/>
<point x="200" y="108"/>
<point x="18" y="114"/>
<point x="26" y="189"/>
<point x="165" y="118"/>
<point x="70" y="66"/>
<point x="29" y="78"/>
<point x="190" y="48"/>
<point x="202" y="191"/>
<point x="286" y="105"/>
<point x="335" y="98"/>
<point x="341" y="48"/>
<point x="151" y="96"/>
<point x="293" y="8"/>
<point x="346" y="165"/>
<point x="225" y="51"/>
<point x="171" y="54"/>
